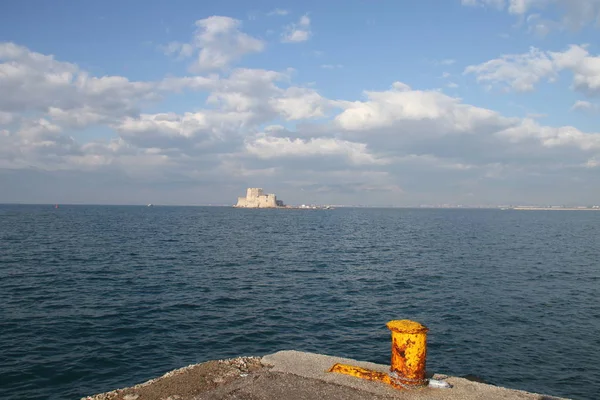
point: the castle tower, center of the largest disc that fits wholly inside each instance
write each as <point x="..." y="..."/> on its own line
<point x="256" y="198"/>
<point x="253" y="193"/>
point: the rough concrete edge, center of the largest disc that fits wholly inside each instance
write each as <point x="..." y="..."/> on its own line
<point x="166" y="375"/>
<point x="456" y="379"/>
<point x="269" y="361"/>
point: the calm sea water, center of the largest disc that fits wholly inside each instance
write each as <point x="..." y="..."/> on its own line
<point x="96" y="298"/>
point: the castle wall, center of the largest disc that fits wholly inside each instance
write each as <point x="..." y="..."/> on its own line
<point x="241" y="202"/>
<point x="254" y="193"/>
<point x="255" y="198"/>
<point x="267" y="201"/>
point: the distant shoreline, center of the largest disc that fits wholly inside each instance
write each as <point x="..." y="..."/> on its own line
<point x="332" y="207"/>
<point x="552" y="209"/>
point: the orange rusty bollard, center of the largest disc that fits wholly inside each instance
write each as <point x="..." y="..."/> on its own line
<point x="409" y="353"/>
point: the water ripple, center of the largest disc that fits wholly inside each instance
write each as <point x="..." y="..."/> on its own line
<point x="96" y="298"/>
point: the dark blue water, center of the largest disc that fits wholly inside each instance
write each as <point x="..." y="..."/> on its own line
<point x="96" y="298"/>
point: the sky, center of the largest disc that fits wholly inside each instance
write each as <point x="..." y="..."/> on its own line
<point x="381" y="103"/>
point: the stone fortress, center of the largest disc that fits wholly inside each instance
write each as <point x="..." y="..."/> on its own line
<point x="255" y="198"/>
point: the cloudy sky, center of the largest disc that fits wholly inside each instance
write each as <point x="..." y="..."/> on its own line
<point x="355" y="102"/>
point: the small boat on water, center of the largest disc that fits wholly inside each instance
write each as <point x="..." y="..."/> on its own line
<point x="150" y="205"/>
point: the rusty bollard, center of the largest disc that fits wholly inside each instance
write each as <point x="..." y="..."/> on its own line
<point x="409" y="353"/>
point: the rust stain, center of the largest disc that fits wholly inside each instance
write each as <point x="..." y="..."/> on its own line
<point x="362" y="373"/>
<point x="409" y="354"/>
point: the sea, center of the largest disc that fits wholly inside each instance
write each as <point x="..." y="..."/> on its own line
<point x="95" y="298"/>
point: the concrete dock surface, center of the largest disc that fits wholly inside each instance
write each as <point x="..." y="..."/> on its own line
<point x="296" y="375"/>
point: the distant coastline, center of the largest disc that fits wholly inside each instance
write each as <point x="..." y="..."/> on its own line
<point x="331" y="206"/>
<point x="554" y="209"/>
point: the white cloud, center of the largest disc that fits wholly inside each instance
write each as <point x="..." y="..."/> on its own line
<point x="499" y="4"/>
<point x="240" y="102"/>
<point x="218" y="42"/>
<point x="582" y="105"/>
<point x="574" y="14"/>
<point x="521" y="72"/>
<point x="181" y="50"/>
<point x="385" y="109"/>
<point x="401" y="87"/>
<point x="585" y="68"/>
<point x="196" y="83"/>
<point x="265" y="146"/>
<point x="77" y="117"/>
<point x="566" y="136"/>
<point x="188" y="132"/>
<point x="32" y="82"/>
<point x="401" y="140"/>
<point x="71" y="98"/>
<point x="593" y="162"/>
<point x="278" y="12"/>
<point x="538" y="25"/>
<point x="298" y="32"/>
<point x="39" y="129"/>
<point x="585" y="106"/>
<point x="332" y="66"/>
<point x="434" y="129"/>
<point x="300" y="103"/>
<point x="256" y="91"/>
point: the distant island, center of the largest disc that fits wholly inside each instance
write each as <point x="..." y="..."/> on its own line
<point x="256" y="198"/>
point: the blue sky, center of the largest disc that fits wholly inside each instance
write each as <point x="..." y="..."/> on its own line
<point x="383" y="103"/>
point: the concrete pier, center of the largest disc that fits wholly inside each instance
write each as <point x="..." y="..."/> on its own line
<point x="294" y="375"/>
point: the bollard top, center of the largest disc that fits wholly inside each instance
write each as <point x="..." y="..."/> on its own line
<point x="406" y="326"/>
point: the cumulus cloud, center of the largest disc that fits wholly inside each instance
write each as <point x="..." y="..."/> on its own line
<point x="384" y="110"/>
<point x="439" y="130"/>
<point x="217" y="43"/>
<point x="241" y="102"/>
<point x="300" y="103"/>
<point x="59" y="97"/>
<point x="257" y="123"/>
<point x="585" y="106"/>
<point x="297" y="32"/>
<point x="522" y="72"/>
<point x="574" y="14"/>
<point x="32" y="81"/>
<point x="265" y="146"/>
<point x="519" y="71"/>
